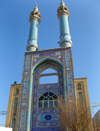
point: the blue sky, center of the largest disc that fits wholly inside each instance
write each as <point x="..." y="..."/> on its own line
<point x="84" y="23"/>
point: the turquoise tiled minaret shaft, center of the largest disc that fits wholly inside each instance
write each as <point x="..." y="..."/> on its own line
<point x="35" y="18"/>
<point x="63" y="15"/>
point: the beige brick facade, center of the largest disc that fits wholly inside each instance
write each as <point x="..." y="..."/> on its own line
<point x="85" y="96"/>
<point x="13" y="96"/>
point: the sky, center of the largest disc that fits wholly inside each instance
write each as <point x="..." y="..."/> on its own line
<point x="84" y="23"/>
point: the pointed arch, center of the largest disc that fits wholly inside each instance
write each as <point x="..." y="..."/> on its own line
<point x="50" y="74"/>
<point x="58" y="63"/>
<point x="47" y="60"/>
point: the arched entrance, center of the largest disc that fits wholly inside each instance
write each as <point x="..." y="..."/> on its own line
<point x="39" y="121"/>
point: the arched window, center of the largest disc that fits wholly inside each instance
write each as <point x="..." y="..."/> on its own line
<point x="80" y="98"/>
<point x="15" y="106"/>
<point x="79" y="87"/>
<point x="13" y="124"/>
<point x="17" y="92"/>
<point x="48" y="76"/>
<point x="48" y="100"/>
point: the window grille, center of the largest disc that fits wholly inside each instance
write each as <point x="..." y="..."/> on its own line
<point x="80" y="99"/>
<point x="13" y="124"/>
<point x="17" y="92"/>
<point x="15" y="106"/>
<point x="48" y="100"/>
<point x="79" y="87"/>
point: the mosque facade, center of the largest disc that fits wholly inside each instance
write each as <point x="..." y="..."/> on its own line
<point x="34" y="106"/>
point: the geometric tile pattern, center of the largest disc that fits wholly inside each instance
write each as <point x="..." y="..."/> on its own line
<point x="37" y="93"/>
<point x="64" y="28"/>
<point x="47" y="129"/>
<point x="59" y="59"/>
<point x="47" y="86"/>
<point x="45" y="111"/>
<point x="46" y="117"/>
<point x="33" y="34"/>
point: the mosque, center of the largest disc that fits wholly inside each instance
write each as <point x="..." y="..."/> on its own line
<point x="34" y="106"/>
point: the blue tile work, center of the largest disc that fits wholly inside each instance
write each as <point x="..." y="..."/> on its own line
<point x="25" y="89"/>
<point x="33" y="34"/>
<point x="67" y="59"/>
<point x="70" y="91"/>
<point x="48" y="124"/>
<point x="48" y="86"/>
<point x="22" y="124"/>
<point x="40" y="92"/>
<point x="45" y="111"/>
<point x="37" y="93"/>
<point x="24" y="102"/>
<point x="69" y="85"/>
<point x="64" y="30"/>
<point x="64" y="27"/>
<point x="46" y="117"/>
<point x="58" y="59"/>
<point x="63" y="15"/>
<point x="46" y="129"/>
<point x="27" y="63"/>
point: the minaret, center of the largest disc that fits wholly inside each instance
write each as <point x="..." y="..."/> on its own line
<point x="35" y="18"/>
<point x="63" y="15"/>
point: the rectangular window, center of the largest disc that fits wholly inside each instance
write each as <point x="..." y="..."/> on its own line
<point x="15" y="106"/>
<point x="45" y="104"/>
<point x="40" y="104"/>
<point x="51" y="103"/>
<point x="16" y="92"/>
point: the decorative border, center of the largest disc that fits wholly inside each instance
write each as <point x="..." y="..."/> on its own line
<point x="36" y="93"/>
<point x="36" y="59"/>
<point x="48" y="86"/>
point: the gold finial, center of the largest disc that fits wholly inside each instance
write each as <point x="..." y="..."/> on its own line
<point x="62" y="3"/>
<point x="36" y="8"/>
<point x="36" y="5"/>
